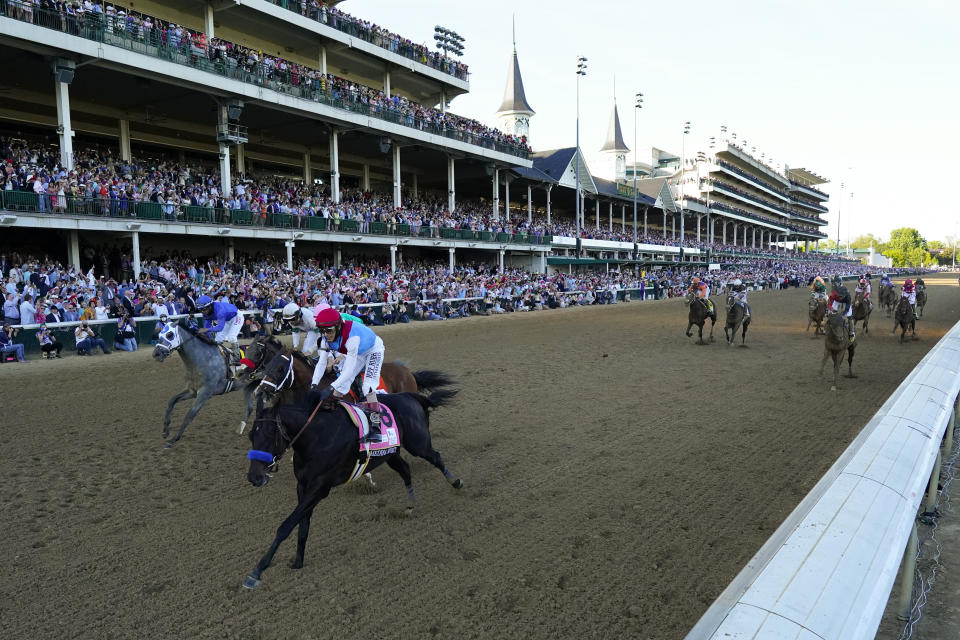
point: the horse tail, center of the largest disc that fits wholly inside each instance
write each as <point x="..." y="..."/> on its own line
<point x="436" y="399"/>
<point x="429" y="380"/>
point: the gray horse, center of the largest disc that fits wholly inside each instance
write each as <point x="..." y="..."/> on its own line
<point x="208" y="373"/>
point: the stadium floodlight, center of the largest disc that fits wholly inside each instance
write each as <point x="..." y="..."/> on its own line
<point x="448" y="41"/>
<point x="581" y="71"/>
<point x="638" y="104"/>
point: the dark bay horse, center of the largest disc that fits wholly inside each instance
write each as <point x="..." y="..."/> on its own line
<point x="736" y="318"/>
<point x="905" y="319"/>
<point x="861" y="311"/>
<point x="921" y="298"/>
<point x="837" y="340"/>
<point x="887" y="298"/>
<point x="699" y="312"/>
<point x="816" y="310"/>
<point x="207" y="372"/>
<point x="325" y="444"/>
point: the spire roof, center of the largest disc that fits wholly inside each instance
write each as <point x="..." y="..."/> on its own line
<point x="514" y="99"/>
<point x="614" y="135"/>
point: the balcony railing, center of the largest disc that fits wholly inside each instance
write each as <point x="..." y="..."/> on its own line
<point x="131" y="210"/>
<point x="157" y="44"/>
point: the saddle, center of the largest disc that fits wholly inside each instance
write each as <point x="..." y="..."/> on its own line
<point x="359" y="416"/>
<point x="707" y="303"/>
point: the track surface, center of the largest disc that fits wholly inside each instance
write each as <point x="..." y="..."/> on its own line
<point x="617" y="477"/>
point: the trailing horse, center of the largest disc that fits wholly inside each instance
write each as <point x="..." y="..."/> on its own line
<point x="905" y="319"/>
<point x="208" y="372"/>
<point x="921" y="299"/>
<point x="836" y="340"/>
<point x="861" y="311"/>
<point x="816" y="310"/>
<point x="736" y="318"/>
<point x="888" y="298"/>
<point x="328" y="454"/>
<point x="700" y="310"/>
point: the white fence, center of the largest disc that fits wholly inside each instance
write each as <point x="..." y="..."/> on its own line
<point x="827" y="571"/>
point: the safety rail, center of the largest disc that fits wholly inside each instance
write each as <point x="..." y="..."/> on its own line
<point x="104" y="207"/>
<point x="828" y="570"/>
<point x="183" y="51"/>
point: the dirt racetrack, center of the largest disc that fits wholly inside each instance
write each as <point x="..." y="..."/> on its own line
<point x="617" y="477"/>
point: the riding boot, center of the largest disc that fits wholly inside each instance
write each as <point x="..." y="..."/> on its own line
<point x="373" y="433"/>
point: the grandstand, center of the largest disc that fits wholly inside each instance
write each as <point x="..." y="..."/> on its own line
<point x="303" y="129"/>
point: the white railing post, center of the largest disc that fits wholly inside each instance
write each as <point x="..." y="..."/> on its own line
<point x="931" y="505"/>
<point x="907" y="570"/>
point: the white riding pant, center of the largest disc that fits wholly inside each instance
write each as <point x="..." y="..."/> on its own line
<point x="310" y="338"/>
<point x="231" y="332"/>
<point x="369" y="363"/>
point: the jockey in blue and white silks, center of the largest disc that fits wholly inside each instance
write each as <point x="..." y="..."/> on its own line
<point x="362" y="350"/>
<point x="885" y="280"/>
<point x="224" y="319"/>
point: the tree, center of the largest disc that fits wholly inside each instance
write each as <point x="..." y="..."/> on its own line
<point x="905" y="239"/>
<point x="866" y="241"/>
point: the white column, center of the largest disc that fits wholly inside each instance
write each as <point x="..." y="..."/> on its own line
<point x="682" y="216"/>
<point x="337" y="256"/>
<point x="611" y="216"/>
<point x="386" y="82"/>
<point x="502" y="252"/>
<point x="698" y="227"/>
<point x="74" y="249"/>
<point x="453" y="260"/>
<point x="225" y="185"/>
<point x="673" y="227"/>
<point x="496" y="193"/>
<point x="416" y="184"/>
<point x="806" y="245"/>
<point x="335" y="165"/>
<point x="754" y="242"/>
<point x="623" y="218"/>
<point x="208" y="19"/>
<point x="125" y="140"/>
<point x="366" y="177"/>
<point x="665" y="224"/>
<point x="241" y="161"/>
<point x="289" y="244"/>
<point x="307" y="168"/>
<point x="549" y="189"/>
<point x="64" y="128"/>
<point x="393" y="258"/>
<point x="645" y="211"/>
<point x="596" y="214"/>
<point x="135" y="241"/>
<point x="323" y="59"/>
<point x="397" y="202"/>
<point x="724" y="232"/>
<point x="443" y="100"/>
<point x="506" y="192"/>
<point x="529" y="203"/>
<point x="451" y="185"/>
<point x="735" y="225"/>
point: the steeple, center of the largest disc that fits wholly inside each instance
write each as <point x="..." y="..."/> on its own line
<point x="514" y="112"/>
<point x="615" y="149"/>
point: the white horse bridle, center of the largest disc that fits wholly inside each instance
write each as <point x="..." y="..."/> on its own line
<point x="285" y="383"/>
<point x="169" y="338"/>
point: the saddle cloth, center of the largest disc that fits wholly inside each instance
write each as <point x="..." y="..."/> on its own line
<point x="388" y="428"/>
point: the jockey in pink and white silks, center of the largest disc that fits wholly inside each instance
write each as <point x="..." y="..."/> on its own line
<point x="225" y="320"/>
<point x="864" y="287"/>
<point x="839" y="302"/>
<point x="364" y="352"/>
<point x="301" y="320"/>
<point x="910" y="293"/>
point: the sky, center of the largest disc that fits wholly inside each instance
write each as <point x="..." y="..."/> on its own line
<point x="865" y="94"/>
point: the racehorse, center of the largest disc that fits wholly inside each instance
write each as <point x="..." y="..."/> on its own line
<point x="836" y="340"/>
<point x="325" y="444"/>
<point x="699" y="312"/>
<point x="904" y="318"/>
<point x="921" y="298"/>
<point x="861" y="311"/>
<point x="736" y="317"/>
<point x="816" y="309"/>
<point x="887" y="298"/>
<point x="207" y="371"/>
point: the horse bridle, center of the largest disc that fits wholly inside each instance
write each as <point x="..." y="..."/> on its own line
<point x="179" y="347"/>
<point x="285" y="383"/>
<point x="257" y="454"/>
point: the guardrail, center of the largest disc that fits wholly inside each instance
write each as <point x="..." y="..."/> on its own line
<point x="828" y="570"/>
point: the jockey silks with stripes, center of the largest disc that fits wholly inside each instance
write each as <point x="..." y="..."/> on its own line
<point x="304" y="325"/>
<point x="362" y="350"/>
<point x="223" y="319"/>
<point x="839" y="302"/>
<point x="910" y="293"/>
<point x="864" y="287"/>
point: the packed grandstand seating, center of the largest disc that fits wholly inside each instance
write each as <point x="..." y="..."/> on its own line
<point x="101" y="184"/>
<point x="121" y="26"/>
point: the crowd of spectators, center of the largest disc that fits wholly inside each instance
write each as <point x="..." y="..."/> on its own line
<point x="44" y="292"/>
<point x="253" y="65"/>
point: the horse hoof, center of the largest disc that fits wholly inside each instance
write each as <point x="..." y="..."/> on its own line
<point x="295" y="565"/>
<point x="457" y="484"/>
<point x="850" y="375"/>
<point x="251" y="583"/>
<point x="243" y="426"/>
<point x="833" y="388"/>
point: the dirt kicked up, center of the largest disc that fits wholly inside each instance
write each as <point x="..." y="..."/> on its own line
<point x="617" y="477"/>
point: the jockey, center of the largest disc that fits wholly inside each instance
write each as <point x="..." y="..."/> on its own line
<point x="885" y="280"/>
<point x="739" y="293"/>
<point x="920" y="283"/>
<point x="225" y="320"/>
<point x="864" y="287"/>
<point x="818" y="289"/>
<point x="364" y="353"/>
<point x="702" y="290"/>
<point x="839" y="302"/>
<point x="302" y="319"/>
<point x="910" y="293"/>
